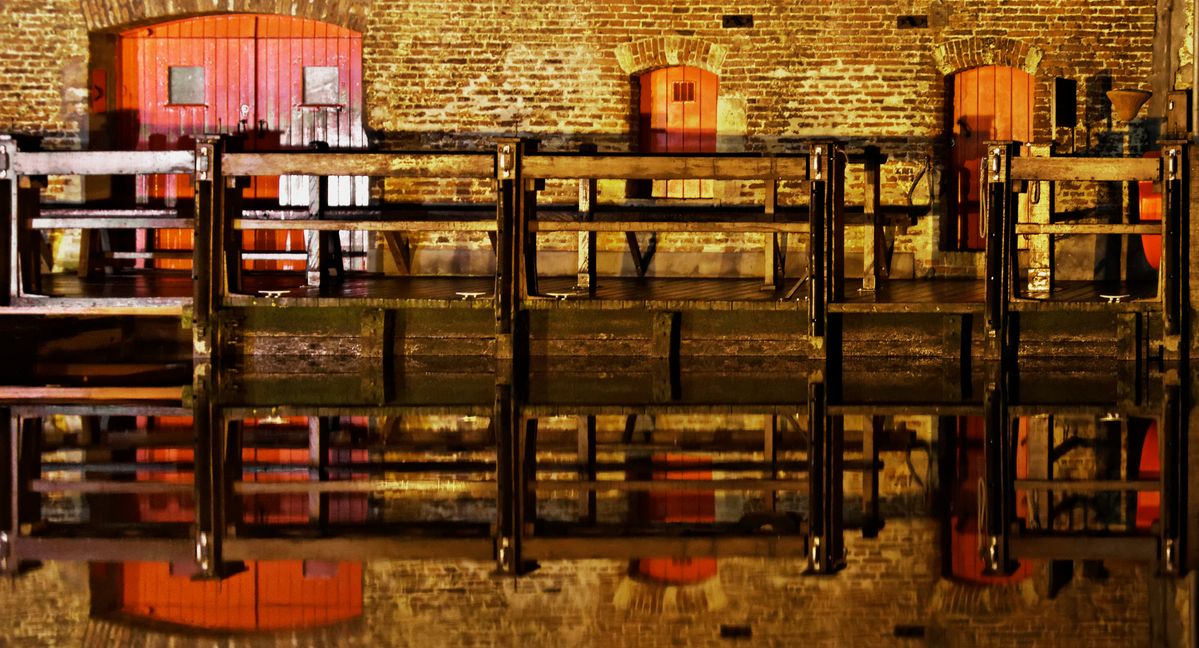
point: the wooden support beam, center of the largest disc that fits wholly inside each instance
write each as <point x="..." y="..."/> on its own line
<point x="587" y="262"/>
<point x="874" y="248"/>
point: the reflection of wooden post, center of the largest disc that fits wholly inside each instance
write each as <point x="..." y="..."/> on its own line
<point x="771" y="457"/>
<point x="586" y="463"/>
<point x="1037" y="207"/>
<point x="588" y="188"/>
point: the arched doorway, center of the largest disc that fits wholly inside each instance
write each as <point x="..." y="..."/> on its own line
<point x="678" y="115"/>
<point x="273" y="82"/>
<point x="993" y="102"/>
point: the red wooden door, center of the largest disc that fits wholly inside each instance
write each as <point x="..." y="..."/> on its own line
<point x="678" y="115"/>
<point x="993" y="102"/>
<point x="276" y="81"/>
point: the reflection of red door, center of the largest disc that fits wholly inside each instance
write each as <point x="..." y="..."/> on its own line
<point x="966" y="538"/>
<point x="993" y="102"/>
<point x="678" y="115"/>
<point x="698" y="506"/>
<point x="276" y="81"/>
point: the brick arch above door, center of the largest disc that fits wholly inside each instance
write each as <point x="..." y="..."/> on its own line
<point x="116" y="15"/>
<point x="965" y="53"/>
<point x="648" y="54"/>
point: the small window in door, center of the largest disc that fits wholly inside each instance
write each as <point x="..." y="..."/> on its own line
<point x="684" y="91"/>
<point x="320" y="85"/>
<point x="186" y="85"/>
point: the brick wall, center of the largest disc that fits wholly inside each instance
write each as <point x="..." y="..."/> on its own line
<point x="457" y="75"/>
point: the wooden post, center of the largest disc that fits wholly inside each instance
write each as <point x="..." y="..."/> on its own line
<point x="9" y="229"/>
<point x="818" y="175"/>
<point x="588" y="189"/>
<point x="835" y="222"/>
<point x="208" y="260"/>
<point x="29" y="242"/>
<point x="771" y="273"/>
<point x="998" y="203"/>
<point x="1040" y="206"/>
<point x="1176" y="203"/>
<point x="874" y="245"/>
<point x="323" y="248"/>
<point x="508" y="270"/>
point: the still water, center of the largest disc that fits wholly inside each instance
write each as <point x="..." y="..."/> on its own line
<point x="447" y="506"/>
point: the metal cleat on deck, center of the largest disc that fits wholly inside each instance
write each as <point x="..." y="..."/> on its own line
<point x="467" y="295"/>
<point x="273" y="294"/>
<point x="1115" y="299"/>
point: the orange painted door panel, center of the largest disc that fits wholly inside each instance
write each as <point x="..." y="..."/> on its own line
<point x="276" y="82"/>
<point x="678" y="115"/>
<point x="993" y="102"/>
<point x="697" y="506"/>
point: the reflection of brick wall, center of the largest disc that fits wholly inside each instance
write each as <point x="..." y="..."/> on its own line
<point x="890" y="581"/>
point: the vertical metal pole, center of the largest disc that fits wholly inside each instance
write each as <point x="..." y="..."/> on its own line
<point x="771" y="456"/>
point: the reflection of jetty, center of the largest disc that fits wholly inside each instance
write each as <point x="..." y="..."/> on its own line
<point x="450" y="461"/>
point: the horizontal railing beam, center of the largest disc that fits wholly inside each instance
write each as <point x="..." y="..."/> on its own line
<point x="657" y="167"/>
<point x="1092" y="169"/>
<point x="103" y="162"/>
<point x="383" y="165"/>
